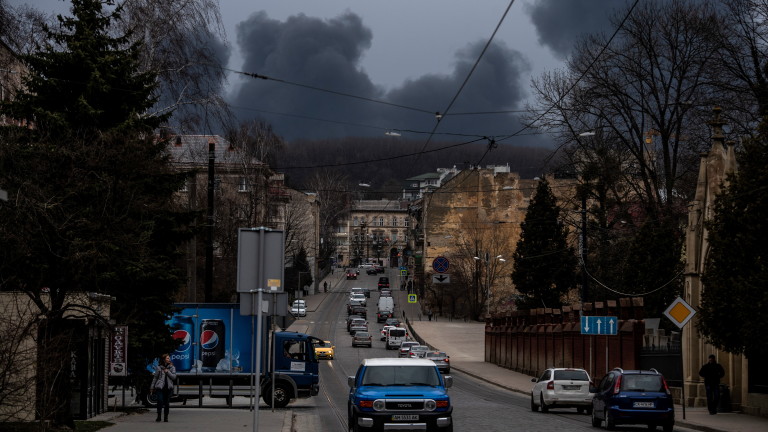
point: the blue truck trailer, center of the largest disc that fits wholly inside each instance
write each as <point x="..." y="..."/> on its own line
<point x="216" y="357"/>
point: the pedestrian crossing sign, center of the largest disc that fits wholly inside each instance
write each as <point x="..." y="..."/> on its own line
<point x="412" y="298"/>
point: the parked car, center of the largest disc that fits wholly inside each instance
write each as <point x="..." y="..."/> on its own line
<point x="633" y="397"/>
<point x="562" y="388"/>
<point x="371" y="271"/>
<point x="405" y="348"/>
<point x="441" y="359"/>
<point x="324" y="350"/>
<point x="351" y="274"/>
<point x="362" y="338"/>
<point x="418" y="351"/>
<point x="383" y="282"/>
<point x="299" y="308"/>
<point x="358" y="326"/>
<point x="385" y="293"/>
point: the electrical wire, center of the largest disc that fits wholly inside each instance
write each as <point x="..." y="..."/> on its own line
<point x="438" y="114"/>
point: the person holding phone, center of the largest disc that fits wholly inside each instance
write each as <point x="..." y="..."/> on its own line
<point x="162" y="385"/>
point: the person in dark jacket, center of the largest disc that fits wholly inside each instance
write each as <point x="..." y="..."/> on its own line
<point x="712" y="372"/>
<point x="162" y="385"/>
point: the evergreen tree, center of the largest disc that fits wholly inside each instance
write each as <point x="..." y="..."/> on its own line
<point x="91" y="192"/>
<point x="544" y="264"/>
<point x="734" y="305"/>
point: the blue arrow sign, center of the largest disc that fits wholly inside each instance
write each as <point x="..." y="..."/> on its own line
<point x="599" y="325"/>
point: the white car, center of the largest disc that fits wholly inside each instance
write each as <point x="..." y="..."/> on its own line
<point x="357" y="298"/>
<point x="299" y="308"/>
<point x="384" y="331"/>
<point x="562" y="388"/>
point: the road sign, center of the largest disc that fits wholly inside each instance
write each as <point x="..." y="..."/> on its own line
<point x="260" y="262"/>
<point x="412" y="298"/>
<point x="441" y="278"/>
<point x="440" y="264"/>
<point x="599" y="325"/>
<point x="403" y="272"/>
<point x="680" y="312"/>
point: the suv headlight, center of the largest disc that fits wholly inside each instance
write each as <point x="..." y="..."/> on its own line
<point x="379" y="405"/>
<point x="430" y="405"/>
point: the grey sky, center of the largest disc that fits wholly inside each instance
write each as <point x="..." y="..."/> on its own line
<point x="414" y="53"/>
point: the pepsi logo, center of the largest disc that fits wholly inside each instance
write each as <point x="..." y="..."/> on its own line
<point x="184" y="339"/>
<point x="209" y="339"/>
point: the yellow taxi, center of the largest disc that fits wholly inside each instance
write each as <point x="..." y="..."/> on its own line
<point x="324" y="350"/>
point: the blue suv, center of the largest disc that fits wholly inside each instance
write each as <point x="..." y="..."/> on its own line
<point x="633" y="397"/>
<point x="399" y="394"/>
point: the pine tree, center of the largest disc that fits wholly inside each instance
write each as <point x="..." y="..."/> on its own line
<point x="91" y="191"/>
<point x="544" y="264"/>
<point x="734" y="307"/>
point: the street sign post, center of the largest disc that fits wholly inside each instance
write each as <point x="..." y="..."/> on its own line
<point x="440" y="264"/>
<point x="599" y="325"/>
<point x="441" y="278"/>
<point x="680" y="312"/>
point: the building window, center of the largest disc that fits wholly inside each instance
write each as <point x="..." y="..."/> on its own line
<point x="243" y="186"/>
<point x="381" y="220"/>
<point x="185" y="186"/>
<point x="217" y="184"/>
<point x="355" y="222"/>
<point x="405" y="221"/>
<point x="394" y="220"/>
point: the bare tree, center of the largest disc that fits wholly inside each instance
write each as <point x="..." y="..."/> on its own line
<point x="17" y="350"/>
<point x="333" y="191"/>
<point x="643" y="94"/>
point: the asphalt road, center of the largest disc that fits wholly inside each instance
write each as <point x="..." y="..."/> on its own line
<point x="477" y="405"/>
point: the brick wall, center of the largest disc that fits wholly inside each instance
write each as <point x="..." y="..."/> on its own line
<point x="529" y="341"/>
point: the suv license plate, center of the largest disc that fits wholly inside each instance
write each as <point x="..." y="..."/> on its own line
<point x="405" y="417"/>
<point x="642" y="405"/>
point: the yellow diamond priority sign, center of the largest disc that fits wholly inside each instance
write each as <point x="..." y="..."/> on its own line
<point x="680" y="312"/>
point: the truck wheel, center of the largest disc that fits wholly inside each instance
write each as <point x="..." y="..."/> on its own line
<point x="149" y="400"/>
<point x="281" y="397"/>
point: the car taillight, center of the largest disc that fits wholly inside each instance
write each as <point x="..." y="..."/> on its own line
<point x="617" y="386"/>
<point x="447" y="361"/>
<point x="550" y="385"/>
<point x="666" y="387"/>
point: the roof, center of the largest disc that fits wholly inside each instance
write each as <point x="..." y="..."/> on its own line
<point x="398" y="362"/>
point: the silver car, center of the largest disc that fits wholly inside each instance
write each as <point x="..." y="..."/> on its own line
<point x="418" y="351"/>
<point x="362" y="338"/>
<point x="441" y="359"/>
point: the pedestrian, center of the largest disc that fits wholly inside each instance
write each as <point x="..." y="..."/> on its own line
<point x="429" y="314"/>
<point x="712" y="372"/>
<point x="325" y="286"/>
<point x="162" y="385"/>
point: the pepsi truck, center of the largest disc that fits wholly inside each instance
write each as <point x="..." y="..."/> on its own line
<point x="216" y="357"/>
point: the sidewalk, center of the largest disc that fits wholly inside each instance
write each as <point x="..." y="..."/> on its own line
<point x="464" y="342"/>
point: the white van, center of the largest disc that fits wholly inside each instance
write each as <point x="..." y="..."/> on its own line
<point x="386" y="304"/>
<point x="395" y="335"/>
